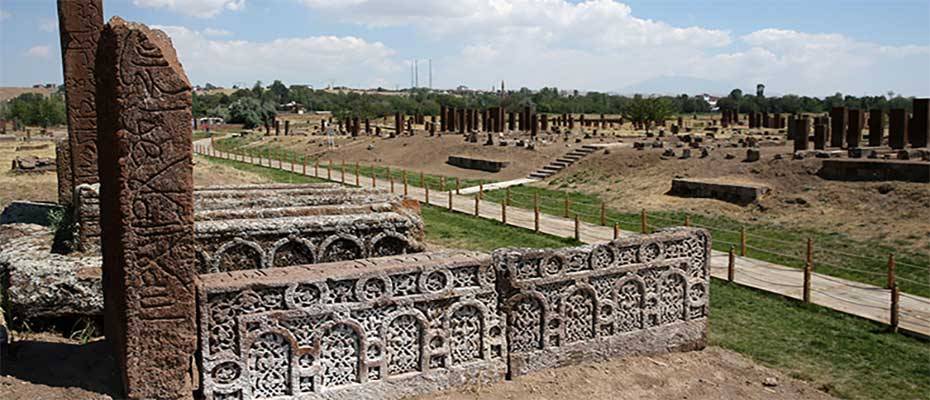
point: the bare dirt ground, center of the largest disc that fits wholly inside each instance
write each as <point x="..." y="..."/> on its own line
<point x="889" y="212"/>
<point x="41" y="186"/>
<point x="47" y="367"/>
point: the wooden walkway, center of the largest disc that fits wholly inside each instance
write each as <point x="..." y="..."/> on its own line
<point x="859" y="299"/>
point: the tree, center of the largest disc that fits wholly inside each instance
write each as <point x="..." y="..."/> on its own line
<point x="250" y="112"/>
<point x="646" y="110"/>
<point x="36" y="109"/>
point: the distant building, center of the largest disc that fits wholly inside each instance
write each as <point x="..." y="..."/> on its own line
<point x="712" y="100"/>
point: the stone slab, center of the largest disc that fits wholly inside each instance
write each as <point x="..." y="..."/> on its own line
<point x="637" y="295"/>
<point x="876" y="170"/>
<point x="384" y="328"/>
<point x="30" y="212"/>
<point x="736" y="193"/>
<point x="477" y="163"/>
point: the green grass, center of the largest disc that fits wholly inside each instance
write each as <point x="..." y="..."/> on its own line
<point x="456" y="230"/>
<point x="849" y="357"/>
<point x="864" y="262"/>
<point x="272" y="174"/>
<point x="269" y="150"/>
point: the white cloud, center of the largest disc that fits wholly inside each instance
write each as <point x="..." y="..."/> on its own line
<point x="216" y="32"/>
<point x="5" y="15"/>
<point x="48" y="25"/>
<point x="39" y="51"/>
<point x="305" y="60"/>
<point x="602" y="45"/>
<point x="194" y="8"/>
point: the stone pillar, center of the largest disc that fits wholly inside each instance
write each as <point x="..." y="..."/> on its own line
<point x="443" y="119"/>
<point x="820" y="135"/>
<point x="838" y="116"/>
<point x="534" y="125"/>
<point x="63" y="167"/>
<point x="801" y="133"/>
<point x="469" y="121"/>
<point x="544" y="122"/>
<point x="876" y="127"/>
<point x="897" y="128"/>
<point x="511" y="121"/>
<point x="571" y="122"/>
<point x="765" y="120"/>
<point x="791" y="126"/>
<point x="460" y="121"/>
<point x="453" y="119"/>
<point x="855" y="120"/>
<point x="398" y="124"/>
<point x="920" y="130"/>
<point x="79" y="24"/>
<point x="368" y="125"/>
<point x="147" y="210"/>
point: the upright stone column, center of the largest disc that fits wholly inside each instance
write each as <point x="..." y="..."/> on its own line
<point x="820" y="135"/>
<point x="147" y="210"/>
<point x="839" y="116"/>
<point x="920" y="131"/>
<point x="876" y="127"/>
<point x="544" y="122"/>
<point x="534" y="125"/>
<point x="443" y="119"/>
<point x="63" y="168"/>
<point x="460" y="122"/>
<point x="801" y="133"/>
<point x="511" y="121"/>
<point x="79" y="24"/>
<point x="856" y="118"/>
<point x="897" y="128"/>
<point x="398" y="124"/>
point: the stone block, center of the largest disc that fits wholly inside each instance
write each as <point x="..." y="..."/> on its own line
<point x="637" y="295"/>
<point x="477" y="163"/>
<point x="736" y="193"/>
<point x="875" y="170"/>
<point x="383" y="328"/>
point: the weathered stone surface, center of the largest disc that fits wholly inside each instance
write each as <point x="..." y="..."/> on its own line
<point x="30" y="212"/>
<point x="79" y="25"/>
<point x="875" y="170"/>
<point x="147" y="209"/>
<point x="477" y="163"/>
<point x="63" y="169"/>
<point x="920" y="129"/>
<point x="637" y="295"/>
<point x="229" y="245"/>
<point x="376" y="329"/>
<point x="33" y="164"/>
<point x="39" y="283"/>
<point x="897" y="128"/>
<point x="87" y="217"/>
<point x="736" y="193"/>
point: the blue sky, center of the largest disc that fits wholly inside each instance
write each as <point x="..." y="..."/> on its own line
<point x="806" y="47"/>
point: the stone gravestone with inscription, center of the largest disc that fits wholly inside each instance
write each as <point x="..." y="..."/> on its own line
<point x="80" y="23"/>
<point x="147" y="209"/>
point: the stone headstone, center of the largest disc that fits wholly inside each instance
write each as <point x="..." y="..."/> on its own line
<point x="839" y="116"/>
<point x="855" y="121"/>
<point x="876" y="127"/>
<point x="921" y="123"/>
<point x="753" y="155"/>
<point x="79" y="24"/>
<point x="63" y="168"/>
<point x="147" y="210"/>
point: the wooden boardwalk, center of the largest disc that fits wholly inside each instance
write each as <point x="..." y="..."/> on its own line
<point x="859" y="299"/>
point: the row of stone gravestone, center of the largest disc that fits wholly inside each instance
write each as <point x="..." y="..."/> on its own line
<point x="393" y="327"/>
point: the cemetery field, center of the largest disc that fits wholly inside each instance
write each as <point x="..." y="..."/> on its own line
<point x="753" y="335"/>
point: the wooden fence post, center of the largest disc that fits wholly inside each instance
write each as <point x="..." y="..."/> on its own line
<point x="891" y="271"/>
<point x="895" y="307"/>
<point x="687" y="220"/>
<point x="427" y="193"/>
<point x="458" y="186"/>
<point x="504" y="212"/>
<point x="329" y="171"/>
<point x="358" y="179"/>
<point x="442" y="184"/>
<point x="643" y="222"/>
<point x="477" y="201"/>
<point x="422" y="182"/>
<point x="507" y="199"/>
<point x="567" y="206"/>
<point x="731" y="263"/>
<point x="316" y="168"/>
<point x="404" y="176"/>
<point x="742" y="241"/>
<point x="603" y="214"/>
<point x="342" y="170"/>
<point x="374" y="176"/>
<point x="391" y="178"/>
<point x="808" y="268"/>
<point x="536" y="212"/>
<point x="304" y="171"/>
<point x="480" y="190"/>
<point x="577" y="228"/>
<point x="450" y="200"/>
<point x="616" y="231"/>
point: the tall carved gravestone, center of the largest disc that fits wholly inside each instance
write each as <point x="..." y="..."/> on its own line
<point x="147" y="209"/>
<point x="839" y="116"/>
<point x="801" y="133"/>
<point x="921" y="123"/>
<point x="856" y="119"/>
<point x="876" y="127"/>
<point x="897" y="128"/>
<point x="80" y="23"/>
